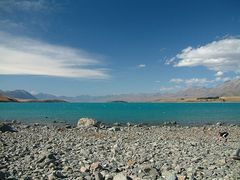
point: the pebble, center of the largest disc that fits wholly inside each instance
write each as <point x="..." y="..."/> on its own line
<point x="133" y="152"/>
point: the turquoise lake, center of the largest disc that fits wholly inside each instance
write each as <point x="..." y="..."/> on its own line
<point x="153" y="113"/>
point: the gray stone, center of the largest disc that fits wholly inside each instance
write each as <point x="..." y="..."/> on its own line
<point x="120" y="176"/>
<point x="171" y="176"/>
<point x="51" y="177"/>
<point x="88" y="177"/>
<point x="236" y="155"/>
<point x="41" y="158"/>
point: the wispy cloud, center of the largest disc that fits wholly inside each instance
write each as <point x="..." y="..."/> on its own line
<point x="25" y="16"/>
<point x="191" y="82"/>
<point x="167" y="89"/>
<point x="199" y="81"/>
<point x="162" y="49"/>
<point x="25" y="5"/>
<point x="25" y="56"/>
<point x="176" y="80"/>
<point x="141" y="65"/>
<point x="222" y="55"/>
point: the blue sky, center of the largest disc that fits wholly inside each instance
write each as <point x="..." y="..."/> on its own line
<point x="91" y="47"/>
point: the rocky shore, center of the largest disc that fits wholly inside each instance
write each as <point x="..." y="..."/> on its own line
<point x="101" y="152"/>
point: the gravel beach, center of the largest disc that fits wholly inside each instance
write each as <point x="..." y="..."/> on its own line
<point x="118" y="152"/>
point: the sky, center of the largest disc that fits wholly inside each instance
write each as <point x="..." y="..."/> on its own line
<point x="92" y="47"/>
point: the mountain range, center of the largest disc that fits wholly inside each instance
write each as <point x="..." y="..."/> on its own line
<point x="228" y="88"/>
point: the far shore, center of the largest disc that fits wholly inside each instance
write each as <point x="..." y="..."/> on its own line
<point x="172" y="100"/>
<point x="8" y="99"/>
<point x="202" y="99"/>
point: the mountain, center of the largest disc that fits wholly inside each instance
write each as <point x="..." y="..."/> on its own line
<point x="45" y="96"/>
<point x="193" y="92"/>
<point x="4" y="98"/>
<point x="20" y="94"/>
<point x="24" y="96"/>
<point x="228" y="88"/>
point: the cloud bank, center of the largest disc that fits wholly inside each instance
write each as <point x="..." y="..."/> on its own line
<point x="25" y="56"/>
<point x="220" y="56"/>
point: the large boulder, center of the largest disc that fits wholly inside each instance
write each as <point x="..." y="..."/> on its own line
<point x="87" y="122"/>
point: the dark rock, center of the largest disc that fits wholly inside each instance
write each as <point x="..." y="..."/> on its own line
<point x="114" y="129"/>
<point x="219" y="123"/>
<point x="98" y="176"/>
<point x="236" y="155"/>
<point x="116" y="124"/>
<point x="58" y="174"/>
<point x="68" y="126"/>
<point x="6" y="128"/>
<point x="2" y="175"/>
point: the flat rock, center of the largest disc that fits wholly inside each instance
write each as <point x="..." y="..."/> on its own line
<point x="120" y="176"/>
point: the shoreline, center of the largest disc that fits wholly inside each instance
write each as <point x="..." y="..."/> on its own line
<point x="173" y="123"/>
<point x="135" y="152"/>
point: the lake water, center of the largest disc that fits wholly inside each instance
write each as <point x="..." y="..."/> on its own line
<point x="153" y="113"/>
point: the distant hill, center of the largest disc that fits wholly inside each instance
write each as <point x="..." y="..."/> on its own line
<point x="24" y="96"/>
<point x="193" y="92"/>
<point x="45" y="96"/>
<point x="227" y="89"/>
<point x="20" y="94"/>
<point x="6" y="99"/>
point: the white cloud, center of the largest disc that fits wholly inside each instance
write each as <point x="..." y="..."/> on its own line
<point x="226" y="79"/>
<point x="197" y="81"/>
<point x="192" y="81"/>
<point x="218" y="78"/>
<point x="166" y="89"/>
<point x="170" y="61"/>
<point x="25" y="56"/>
<point x="219" y="73"/>
<point x="176" y="80"/>
<point x="141" y="65"/>
<point x="222" y="55"/>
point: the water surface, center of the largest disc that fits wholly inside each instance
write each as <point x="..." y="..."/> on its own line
<point x="153" y="113"/>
